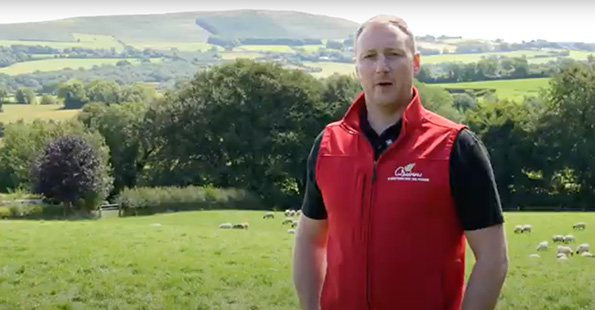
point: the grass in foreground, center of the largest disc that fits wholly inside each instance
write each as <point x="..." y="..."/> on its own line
<point x="506" y="89"/>
<point x="188" y="263"/>
<point x="26" y="112"/>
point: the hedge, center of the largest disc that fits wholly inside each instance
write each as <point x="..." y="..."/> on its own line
<point x="150" y="200"/>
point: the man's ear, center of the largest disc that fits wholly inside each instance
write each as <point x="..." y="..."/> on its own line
<point x="416" y="62"/>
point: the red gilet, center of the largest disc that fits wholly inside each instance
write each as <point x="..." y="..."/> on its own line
<point x="394" y="241"/>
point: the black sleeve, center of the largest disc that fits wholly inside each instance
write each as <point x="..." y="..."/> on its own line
<point x="473" y="184"/>
<point x="312" y="205"/>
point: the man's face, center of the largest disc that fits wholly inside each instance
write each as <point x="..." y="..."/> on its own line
<point x="385" y="64"/>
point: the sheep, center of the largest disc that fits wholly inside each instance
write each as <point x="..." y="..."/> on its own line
<point x="582" y="248"/>
<point x="291" y="231"/>
<point x="294" y="224"/>
<point x="579" y="225"/>
<point x="562" y="257"/>
<point x="534" y="256"/>
<point x="292" y="213"/>
<point x="564" y="250"/>
<point x="558" y="238"/>
<point x="269" y="215"/>
<point x="568" y="238"/>
<point x="287" y="221"/>
<point x="240" y="226"/>
<point x="226" y="226"/>
<point x="287" y="212"/>
<point x="518" y="229"/>
<point x="527" y="228"/>
<point x="298" y="213"/>
<point x="542" y="246"/>
<point x="587" y="254"/>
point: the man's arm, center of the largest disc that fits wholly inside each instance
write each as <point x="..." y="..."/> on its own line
<point x="309" y="255"/>
<point x="480" y="212"/>
<point x="309" y="261"/>
<point x="490" y="269"/>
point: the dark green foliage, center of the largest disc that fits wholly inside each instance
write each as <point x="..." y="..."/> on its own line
<point x="68" y="172"/>
<point x="26" y="96"/>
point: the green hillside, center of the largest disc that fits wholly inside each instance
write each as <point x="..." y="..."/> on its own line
<point x="183" y="27"/>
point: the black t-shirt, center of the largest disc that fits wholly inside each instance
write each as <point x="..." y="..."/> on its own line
<point x="472" y="182"/>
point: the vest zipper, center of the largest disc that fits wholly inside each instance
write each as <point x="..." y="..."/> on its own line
<point x="368" y="296"/>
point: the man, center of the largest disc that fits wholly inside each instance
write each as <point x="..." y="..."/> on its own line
<point x="393" y="192"/>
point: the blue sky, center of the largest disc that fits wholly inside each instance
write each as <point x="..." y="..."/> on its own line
<point x="568" y="20"/>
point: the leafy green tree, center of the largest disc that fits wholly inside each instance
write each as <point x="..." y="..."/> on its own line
<point x="26" y="96"/>
<point x="104" y="91"/>
<point x="74" y="94"/>
<point x="69" y="171"/>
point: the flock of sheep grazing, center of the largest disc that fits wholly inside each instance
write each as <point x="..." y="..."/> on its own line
<point x="289" y="219"/>
<point x="562" y="251"/>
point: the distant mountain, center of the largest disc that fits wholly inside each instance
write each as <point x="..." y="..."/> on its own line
<point x="187" y="27"/>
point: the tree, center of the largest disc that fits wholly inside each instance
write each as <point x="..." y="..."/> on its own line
<point x="104" y="91"/>
<point x="26" y="96"/>
<point x="47" y="99"/>
<point x="69" y="171"/>
<point x="138" y="93"/>
<point x="463" y="101"/>
<point x="74" y="94"/>
<point x="122" y="127"/>
<point x="3" y="92"/>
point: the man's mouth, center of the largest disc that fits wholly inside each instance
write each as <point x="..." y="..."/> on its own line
<point x="385" y="84"/>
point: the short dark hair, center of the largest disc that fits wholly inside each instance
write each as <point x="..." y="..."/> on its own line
<point x="386" y="19"/>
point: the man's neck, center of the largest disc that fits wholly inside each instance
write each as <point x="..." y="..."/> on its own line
<point x="382" y="117"/>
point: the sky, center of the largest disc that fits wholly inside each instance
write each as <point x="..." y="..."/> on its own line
<point x="513" y="21"/>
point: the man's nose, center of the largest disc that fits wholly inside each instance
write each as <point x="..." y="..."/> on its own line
<point x="382" y="64"/>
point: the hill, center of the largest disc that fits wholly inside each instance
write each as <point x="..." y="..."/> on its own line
<point x="184" y="27"/>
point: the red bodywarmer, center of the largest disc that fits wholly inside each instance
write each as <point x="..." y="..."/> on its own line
<point x="395" y="241"/>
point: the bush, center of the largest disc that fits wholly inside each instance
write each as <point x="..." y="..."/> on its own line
<point x="47" y="99"/>
<point x="39" y="212"/>
<point x="150" y="200"/>
<point x="69" y="172"/>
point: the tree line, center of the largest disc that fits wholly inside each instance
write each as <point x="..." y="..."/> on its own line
<point x="250" y="125"/>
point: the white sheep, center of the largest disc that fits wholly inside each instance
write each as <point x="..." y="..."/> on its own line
<point x="564" y="250"/>
<point x="534" y="255"/>
<point x="298" y="213"/>
<point x="291" y="231"/>
<point x="527" y="228"/>
<point x="579" y="225"/>
<point x="518" y="229"/>
<point x="292" y="213"/>
<point x="225" y="226"/>
<point x="294" y="224"/>
<point x="587" y="254"/>
<point x="562" y="257"/>
<point x="269" y="215"/>
<point x="287" y="221"/>
<point x="558" y="238"/>
<point x="582" y="248"/>
<point x="542" y="246"/>
<point x="568" y="238"/>
<point x="287" y="212"/>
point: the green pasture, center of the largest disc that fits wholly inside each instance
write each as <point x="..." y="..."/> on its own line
<point x="183" y="261"/>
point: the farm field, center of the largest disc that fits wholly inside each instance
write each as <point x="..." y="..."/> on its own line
<point x="46" y="65"/>
<point x="329" y="68"/>
<point x="505" y="89"/>
<point x="130" y="263"/>
<point x="28" y="113"/>
<point x="467" y="58"/>
<point x="182" y="46"/>
<point x="265" y="48"/>
<point x="235" y="55"/>
<point x="92" y="41"/>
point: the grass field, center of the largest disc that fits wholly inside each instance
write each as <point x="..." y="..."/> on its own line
<point x="182" y="46"/>
<point x="329" y="68"/>
<point x="506" y="89"/>
<point x="92" y="41"/>
<point x="60" y="64"/>
<point x="15" y="112"/>
<point x="236" y="55"/>
<point x="264" y="48"/>
<point x="127" y="263"/>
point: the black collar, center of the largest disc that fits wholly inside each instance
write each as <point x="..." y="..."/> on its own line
<point x="391" y="133"/>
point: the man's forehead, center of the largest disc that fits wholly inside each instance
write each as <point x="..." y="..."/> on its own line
<point x="382" y="36"/>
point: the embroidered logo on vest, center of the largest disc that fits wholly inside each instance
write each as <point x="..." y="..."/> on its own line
<point x="406" y="173"/>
